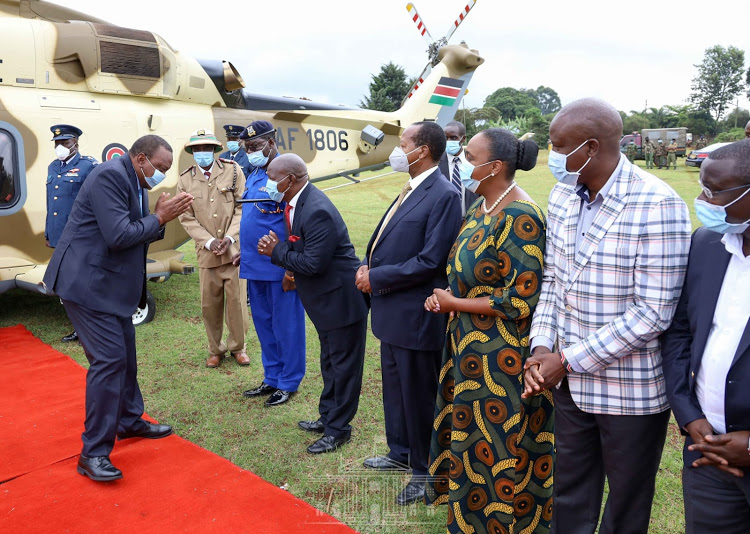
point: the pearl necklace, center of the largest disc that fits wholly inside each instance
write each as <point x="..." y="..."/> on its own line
<point x="499" y="199"/>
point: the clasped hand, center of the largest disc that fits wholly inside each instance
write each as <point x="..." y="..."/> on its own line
<point x="543" y="370"/>
<point x="267" y="243"/>
<point x="441" y="301"/>
<point x="220" y="246"/>
<point x="728" y="452"/>
<point x="167" y="208"/>
<point x="362" y="279"/>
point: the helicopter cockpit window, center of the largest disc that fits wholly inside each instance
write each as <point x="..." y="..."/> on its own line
<point x="9" y="184"/>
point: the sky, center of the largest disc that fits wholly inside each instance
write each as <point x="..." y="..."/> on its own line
<point x="632" y="54"/>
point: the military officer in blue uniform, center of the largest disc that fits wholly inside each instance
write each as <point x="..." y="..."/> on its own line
<point x="235" y="152"/>
<point x="65" y="175"/>
<point x="277" y="312"/>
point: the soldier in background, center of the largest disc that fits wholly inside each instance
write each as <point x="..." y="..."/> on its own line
<point x="672" y="154"/>
<point x="213" y="221"/>
<point x="701" y="143"/>
<point x="236" y="152"/>
<point x="631" y="151"/>
<point x="65" y="175"/>
<point x="648" y="151"/>
<point x="661" y="154"/>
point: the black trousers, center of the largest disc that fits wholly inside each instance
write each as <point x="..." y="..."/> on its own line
<point x="624" y="448"/>
<point x="113" y="398"/>
<point x="410" y="382"/>
<point x="715" y="501"/>
<point x="342" y="359"/>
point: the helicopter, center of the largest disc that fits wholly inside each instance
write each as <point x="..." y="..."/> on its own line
<point x="58" y="65"/>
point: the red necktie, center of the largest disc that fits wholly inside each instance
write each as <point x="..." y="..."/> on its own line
<point x="207" y="175"/>
<point x="287" y="211"/>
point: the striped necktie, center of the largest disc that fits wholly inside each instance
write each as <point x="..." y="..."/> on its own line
<point x="456" y="175"/>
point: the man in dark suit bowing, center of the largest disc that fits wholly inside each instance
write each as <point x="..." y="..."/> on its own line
<point x="406" y="257"/>
<point x="98" y="271"/>
<point x="321" y="256"/>
<point x="706" y="350"/>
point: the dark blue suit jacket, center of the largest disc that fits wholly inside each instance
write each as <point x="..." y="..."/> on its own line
<point x="409" y="262"/>
<point x="100" y="261"/>
<point x="685" y="340"/>
<point x="323" y="262"/>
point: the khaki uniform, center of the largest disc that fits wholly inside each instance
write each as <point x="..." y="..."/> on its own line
<point x="672" y="155"/>
<point x="215" y="214"/>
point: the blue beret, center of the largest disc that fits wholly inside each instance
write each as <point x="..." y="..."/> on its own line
<point x="232" y="130"/>
<point x="65" y="131"/>
<point x="256" y="129"/>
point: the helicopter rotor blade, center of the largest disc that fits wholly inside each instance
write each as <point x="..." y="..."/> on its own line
<point x="420" y="80"/>
<point x="421" y="28"/>
<point x="460" y="19"/>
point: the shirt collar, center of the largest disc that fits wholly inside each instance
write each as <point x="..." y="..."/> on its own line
<point x="418" y="179"/>
<point x="204" y="171"/>
<point x="733" y="244"/>
<point x="295" y="198"/>
<point x="583" y="191"/>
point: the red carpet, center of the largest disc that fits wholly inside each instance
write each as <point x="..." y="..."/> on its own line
<point x="195" y="491"/>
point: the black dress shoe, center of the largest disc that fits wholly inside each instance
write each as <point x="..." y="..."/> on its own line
<point x="327" y="444"/>
<point x="279" y="397"/>
<point x="263" y="389"/>
<point x="98" y="468"/>
<point x="73" y="336"/>
<point x="312" y="426"/>
<point x="150" y="431"/>
<point x="413" y="492"/>
<point x="385" y="463"/>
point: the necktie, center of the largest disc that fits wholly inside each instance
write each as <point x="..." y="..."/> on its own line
<point x="288" y="219"/>
<point x="207" y="174"/>
<point x="388" y="217"/>
<point x="456" y="175"/>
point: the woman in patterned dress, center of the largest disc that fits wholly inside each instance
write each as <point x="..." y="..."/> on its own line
<point x="492" y="453"/>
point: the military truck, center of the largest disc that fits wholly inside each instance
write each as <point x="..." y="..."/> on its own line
<point x="680" y="136"/>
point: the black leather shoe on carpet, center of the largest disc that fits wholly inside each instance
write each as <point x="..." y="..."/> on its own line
<point x="73" y="336"/>
<point x="279" y="397"/>
<point x="413" y="492"/>
<point x="384" y="463"/>
<point x="98" y="468"/>
<point x="327" y="444"/>
<point x="263" y="389"/>
<point x="149" y="431"/>
<point x="312" y="426"/>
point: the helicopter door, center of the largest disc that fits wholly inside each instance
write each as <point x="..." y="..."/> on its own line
<point x="12" y="170"/>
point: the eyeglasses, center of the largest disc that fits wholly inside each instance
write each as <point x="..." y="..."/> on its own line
<point x="710" y="194"/>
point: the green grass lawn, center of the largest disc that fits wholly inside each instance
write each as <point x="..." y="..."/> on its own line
<point x="206" y="407"/>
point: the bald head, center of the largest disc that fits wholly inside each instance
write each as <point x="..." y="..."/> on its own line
<point x="593" y="118"/>
<point x="291" y="170"/>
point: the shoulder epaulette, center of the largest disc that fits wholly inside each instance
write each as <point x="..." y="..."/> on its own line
<point x="226" y="160"/>
<point x="191" y="168"/>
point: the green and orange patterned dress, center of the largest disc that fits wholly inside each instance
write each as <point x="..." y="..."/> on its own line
<point x="492" y="453"/>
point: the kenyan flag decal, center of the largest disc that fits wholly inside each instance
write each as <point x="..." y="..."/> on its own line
<point x="446" y="92"/>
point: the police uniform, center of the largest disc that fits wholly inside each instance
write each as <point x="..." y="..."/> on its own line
<point x="278" y="316"/>
<point x="64" y="180"/>
<point x="214" y="215"/>
<point x="648" y="151"/>
<point x="232" y="130"/>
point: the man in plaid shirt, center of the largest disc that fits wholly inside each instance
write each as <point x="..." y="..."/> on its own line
<point x="617" y="249"/>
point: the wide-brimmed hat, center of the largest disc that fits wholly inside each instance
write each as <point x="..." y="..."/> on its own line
<point x="202" y="137"/>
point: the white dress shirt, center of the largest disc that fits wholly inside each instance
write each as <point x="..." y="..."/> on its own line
<point x="730" y="320"/>
<point x="414" y="183"/>
<point x="293" y="204"/>
<point x="451" y="165"/>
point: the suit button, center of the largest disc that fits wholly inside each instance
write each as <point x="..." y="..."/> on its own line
<point x="220" y="232"/>
<point x="569" y="308"/>
<point x="54" y="198"/>
<point x="58" y="176"/>
<point x="212" y="200"/>
<point x="57" y="187"/>
<point x="209" y="184"/>
<point x="215" y="215"/>
<point x="692" y="374"/>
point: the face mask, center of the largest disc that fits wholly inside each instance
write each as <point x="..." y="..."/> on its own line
<point x="453" y="147"/>
<point x="233" y="146"/>
<point x="272" y="188"/>
<point x="204" y="159"/>
<point x="399" y="160"/>
<point x="258" y="159"/>
<point x="62" y="152"/>
<point x="156" y="178"/>
<point x="466" y="170"/>
<point x="558" y="164"/>
<point x="714" y="217"/>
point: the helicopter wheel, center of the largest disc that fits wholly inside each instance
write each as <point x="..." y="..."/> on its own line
<point x="145" y="315"/>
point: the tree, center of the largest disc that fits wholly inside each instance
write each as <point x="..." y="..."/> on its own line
<point x="635" y="122"/>
<point x="547" y="99"/>
<point x="719" y="79"/>
<point x="387" y="88"/>
<point x="511" y="103"/>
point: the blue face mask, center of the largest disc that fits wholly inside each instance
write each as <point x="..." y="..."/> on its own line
<point x="257" y="158"/>
<point x="466" y="170"/>
<point x="272" y="188"/>
<point x="453" y="147"/>
<point x="233" y="146"/>
<point x="714" y="217"/>
<point x="558" y="164"/>
<point x="156" y="178"/>
<point x="204" y="159"/>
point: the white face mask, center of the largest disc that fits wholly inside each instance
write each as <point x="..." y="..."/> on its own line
<point x="62" y="152"/>
<point x="399" y="160"/>
<point x="558" y="164"/>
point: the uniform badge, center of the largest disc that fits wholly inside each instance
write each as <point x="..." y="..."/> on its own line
<point x="57" y="131"/>
<point x="201" y="132"/>
<point x="250" y="131"/>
